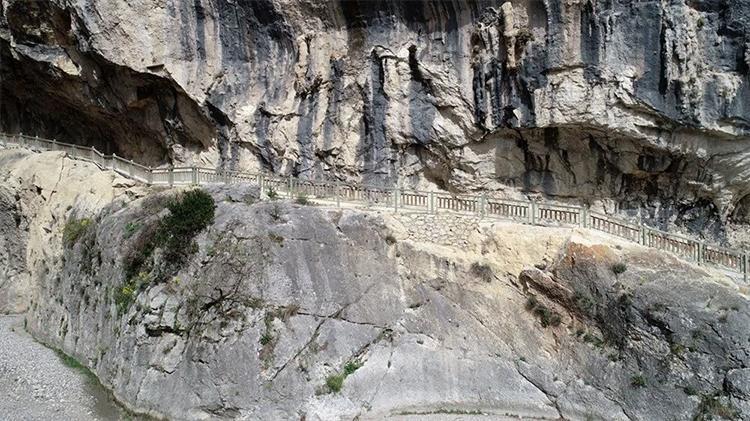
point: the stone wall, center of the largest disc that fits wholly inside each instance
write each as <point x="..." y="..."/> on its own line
<point x="448" y="229"/>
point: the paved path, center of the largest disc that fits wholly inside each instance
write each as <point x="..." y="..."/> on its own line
<point x="36" y="385"/>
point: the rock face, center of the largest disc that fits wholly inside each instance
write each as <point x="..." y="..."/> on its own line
<point x="39" y="193"/>
<point x="643" y="103"/>
<point x="283" y="311"/>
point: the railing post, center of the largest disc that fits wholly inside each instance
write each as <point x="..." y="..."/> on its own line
<point x="585" y="220"/>
<point x="641" y="233"/>
<point x="150" y="176"/>
<point x="431" y="205"/>
<point x="701" y="252"/>
<point x="170" y="176"/>
<point x="483" y="204"/>
<point x="195" y="175"/>
<point x="260" y="184"/>
<point x="338" y="193"/>
<point x="396" y="193"/>
<point x="532" y="213"/>
<point x="114" y="161"/>
<point x="290" y="188"/>
<point x="745" y="269"/>
<point x="131" y="170"/>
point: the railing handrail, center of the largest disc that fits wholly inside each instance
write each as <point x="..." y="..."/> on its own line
<point x="429" y="201"/>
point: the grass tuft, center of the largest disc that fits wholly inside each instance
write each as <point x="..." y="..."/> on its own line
<point x="74" y="229"/>
<point x="619" y="268"/>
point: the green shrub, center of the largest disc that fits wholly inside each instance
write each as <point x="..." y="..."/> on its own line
<point x="546" y="316"/>
<point x="712" y="407"/>
<point x="302" y="200"/>
<point x="352" y="366"/>
<point x="690" y="390"/>
<point x="619" y="268"/>
<point x="593" y="339"/>
<point x="335" y="382"/>
<point x="131" y="228"/>
<point x="74" y="229"/>
<point x="126" y="294"/>
<point x="272" y="194"/>
<point x="189" y="213"/>
<point x="638" y="381"/>
<point x="266" y="338"/>
<point x="585" y="303"/>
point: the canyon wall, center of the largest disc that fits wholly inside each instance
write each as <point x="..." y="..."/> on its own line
<point x="629" y="105"/>
<point x="285" y="311"/>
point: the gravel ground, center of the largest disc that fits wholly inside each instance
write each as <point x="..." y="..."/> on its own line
<point x="36" y="385"/>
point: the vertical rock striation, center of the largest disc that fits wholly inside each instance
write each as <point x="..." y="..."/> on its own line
<point x="644" y="103"/>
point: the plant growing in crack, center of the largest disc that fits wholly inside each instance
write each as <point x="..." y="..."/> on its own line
<point x="335" y="382"/>
<point x="546" y="316"/>
<point x="267" y="339"/>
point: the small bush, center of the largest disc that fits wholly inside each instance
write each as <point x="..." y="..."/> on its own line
<point x="275" y="212"/>
<point x="638" y="381"/>
<point x="287" y="312"/>
<point x="74" y="229"/>
<point x="302" y="200"/>
<point x="335" y="382"/>
<point x="276" y="238"/>
<point x="585" y="303"/>
<point x="189" y="213"/>
<point x="690" y="390"/>
<point x="351" y="367"/>
<point x="619" y="268"/>
<point x="593" y="339"/>
<point x="531" y="302"/>
<point x="266" y="338"/>
<point x="126" y="294"/>
<point x="272" y="194"/>
<point x="546" y="316"/>
<point x="131" y="228"/>
<point x="712" y="407"/>
<point x="483" y="272"/>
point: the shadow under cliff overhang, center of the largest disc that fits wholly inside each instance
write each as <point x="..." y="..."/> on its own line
<point x="52" y="84"/>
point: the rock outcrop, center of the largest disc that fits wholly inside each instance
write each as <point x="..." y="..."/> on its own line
<point x="39" y="193"/>
<point x="285" y="311"/>
<point x="641" y="105"/>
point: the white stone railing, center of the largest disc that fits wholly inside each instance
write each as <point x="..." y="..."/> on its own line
<point x="400" y="199"/>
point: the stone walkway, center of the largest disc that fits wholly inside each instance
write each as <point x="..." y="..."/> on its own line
<point x="35" y="384"/>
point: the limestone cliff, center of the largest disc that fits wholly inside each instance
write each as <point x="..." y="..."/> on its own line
<point x="629" y="104"/>
<point x="285" y="311"/>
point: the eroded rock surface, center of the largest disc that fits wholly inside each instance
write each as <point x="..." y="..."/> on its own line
<point x="642" y="103"/>
<point x="278" y="301"/>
